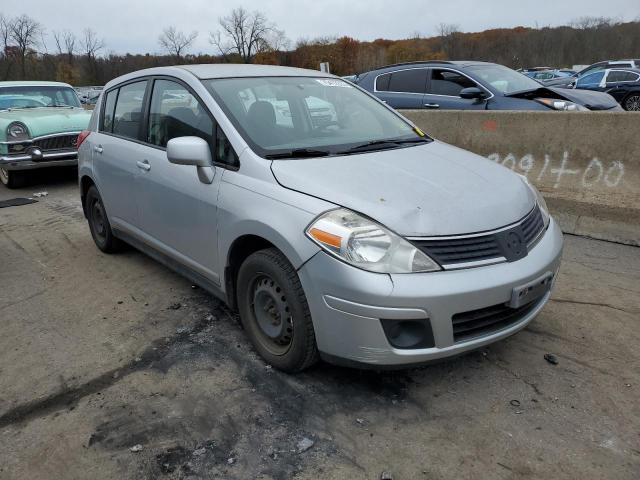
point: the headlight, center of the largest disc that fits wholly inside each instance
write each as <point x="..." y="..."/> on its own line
<point x="556" y="104"/>
<point x="365" y="244"/>
<point x="17" y="131"/>
<point x="540" y="201"/>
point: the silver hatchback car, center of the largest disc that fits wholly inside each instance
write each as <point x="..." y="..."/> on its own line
<point x="336" y="227"/>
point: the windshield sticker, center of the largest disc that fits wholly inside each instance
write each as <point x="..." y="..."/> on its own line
<point x="330" y="82"/>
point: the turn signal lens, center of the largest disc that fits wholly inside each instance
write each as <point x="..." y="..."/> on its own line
<point x="326" y="238"/>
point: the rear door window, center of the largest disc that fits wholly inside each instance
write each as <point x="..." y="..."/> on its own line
<point x="622" y="77"/>
<point x="408" y="81"/>
<point x="449" y="83"/>
<point x="127" y="117"/>
<point x="382" y="82"/>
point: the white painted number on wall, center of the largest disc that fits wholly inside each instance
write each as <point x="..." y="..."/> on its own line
<point x="596" y="173"/>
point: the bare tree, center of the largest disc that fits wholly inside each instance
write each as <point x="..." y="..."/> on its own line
<point x="175" y="42"/>
<point x="24" y="31"/>
<point x="449" y="34"/>
<point x="245" y="34"/>
<point x="5" y="32"/>
<point x="91" y="44"/>
<point x="65" y="43"/>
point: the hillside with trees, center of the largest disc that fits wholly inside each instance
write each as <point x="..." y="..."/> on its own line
<point x="28" y="51"/>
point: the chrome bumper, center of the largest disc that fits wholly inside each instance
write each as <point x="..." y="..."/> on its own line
<point x="29" y="162"/>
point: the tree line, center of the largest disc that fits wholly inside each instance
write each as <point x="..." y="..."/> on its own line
<point x="82" y="58"/>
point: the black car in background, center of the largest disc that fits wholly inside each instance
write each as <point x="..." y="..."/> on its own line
<point x="621" y="84"/>
<point x="467" y="85"/>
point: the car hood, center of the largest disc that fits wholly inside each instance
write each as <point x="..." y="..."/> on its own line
<point x="590" y="99"/>
<point x="46" y="121"/>
<point x="426" y="190"/>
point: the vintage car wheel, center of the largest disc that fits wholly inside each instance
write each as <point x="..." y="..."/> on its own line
<point x="274" y="311"/>
<point x="12" y="178"/>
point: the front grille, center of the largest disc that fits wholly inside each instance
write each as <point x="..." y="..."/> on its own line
<point x="58" y="142"/>
<point x="508" y="245"/>
<point x="484" y="321"/>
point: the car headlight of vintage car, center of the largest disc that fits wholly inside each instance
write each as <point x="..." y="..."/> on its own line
<point x="565" y="105"/>
<point x="17" y="132"/>
<point x="365" y="244"/>
<point x="546" y="216"/>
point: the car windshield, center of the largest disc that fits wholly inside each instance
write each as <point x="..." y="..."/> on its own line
<point x="37" y="97"/>
<point x="503" y="79"/>
<point x="307" y="116"/>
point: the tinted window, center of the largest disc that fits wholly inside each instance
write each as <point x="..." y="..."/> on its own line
<point x="410" y="81"/>
<point x="175" y="112"/>
<point x="107" y="114"/>
<point x="622" y="77"/>
<point x="591" y="79"/>
<point x="382" y="82"/>
<point x="128" y="112"/>
<point x="447" y="82"/>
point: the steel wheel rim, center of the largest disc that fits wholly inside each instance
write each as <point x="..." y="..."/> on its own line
<point x="98" y="220"/>
<point x="633" y="103"/>
<point x="271" y="314"/>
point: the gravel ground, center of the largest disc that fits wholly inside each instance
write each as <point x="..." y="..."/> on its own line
<point x="113" y="367"/>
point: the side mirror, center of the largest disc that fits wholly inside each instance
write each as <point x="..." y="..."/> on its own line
<point x="472" y="93"/>
<point x="189" y="151"/>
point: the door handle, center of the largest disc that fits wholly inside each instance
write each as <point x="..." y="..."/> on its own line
<point x="431" y="105"/>
<point x="97" y="149"/>
<point x="144" y="165"/>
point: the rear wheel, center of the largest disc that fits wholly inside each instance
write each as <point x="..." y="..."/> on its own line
<point x="632" y="102"/>
<point x="12" y="178"/>
<point x="99" y="223"/>
<point x="274" y="311"/>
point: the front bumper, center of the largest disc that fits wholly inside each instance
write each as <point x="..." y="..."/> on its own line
<point x="47" y="159"/>
<point x="347" y="303"/>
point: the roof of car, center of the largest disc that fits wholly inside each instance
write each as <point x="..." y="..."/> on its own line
<point x="459" y="63"/>
<point x="30" y="83"/>
<point x="228" y="70"/>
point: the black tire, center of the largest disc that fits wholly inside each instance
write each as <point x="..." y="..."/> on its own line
<point x="99" y="223"/>
<point x="632" y="102"/>
<point x="12" y="178"/>
<point x="269" y="291"/>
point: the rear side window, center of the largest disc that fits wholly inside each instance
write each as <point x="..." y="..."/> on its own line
<point x="449" y="83"/>
<point x="622" y="77"/>
<point x="408" y="81"/>
<point x="107" y="114"/>
<point x="128" y="112"/>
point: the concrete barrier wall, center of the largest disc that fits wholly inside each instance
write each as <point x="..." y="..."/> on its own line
<point x="587" y="165"/>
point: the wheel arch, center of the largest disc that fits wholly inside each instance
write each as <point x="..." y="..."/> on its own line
<point x="251" y="241"/>
<point x="86" y="182"/>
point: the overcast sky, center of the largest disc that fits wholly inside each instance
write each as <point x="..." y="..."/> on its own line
<point x="134" y="25"/>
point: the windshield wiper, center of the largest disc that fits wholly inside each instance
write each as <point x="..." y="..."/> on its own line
<point x="385" y="143"/>
<point x="298" y="153"/>
<point x="60" y="105"/>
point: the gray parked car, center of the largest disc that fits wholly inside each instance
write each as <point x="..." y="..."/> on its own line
<point x="466" y="85"/>
<point x="357" y="238"/>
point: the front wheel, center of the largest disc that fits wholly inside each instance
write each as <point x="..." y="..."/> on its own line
<point x="12" y="178"/>
<point x="274" y="311"/>
<point x="632" y="103"/>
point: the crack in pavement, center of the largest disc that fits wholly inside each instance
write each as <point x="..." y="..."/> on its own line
<point x="595" y="304"/>
<point x="68" y="397"/>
